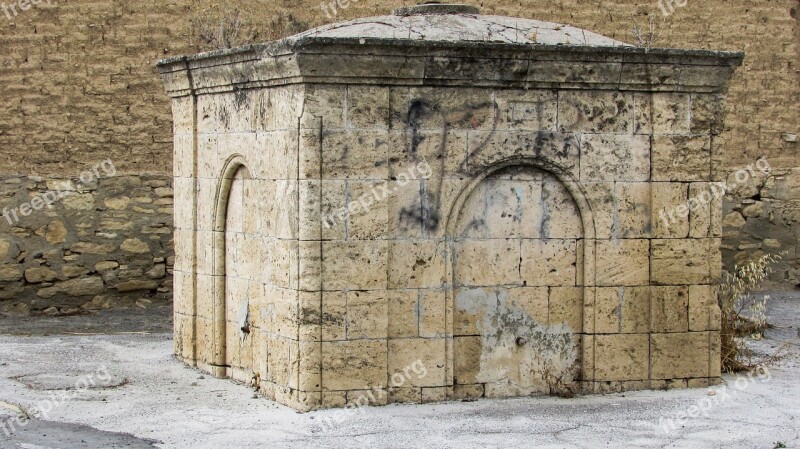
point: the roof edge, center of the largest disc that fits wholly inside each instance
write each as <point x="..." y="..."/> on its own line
<point x="291" y="45"/>
<point x="501" y="65"/>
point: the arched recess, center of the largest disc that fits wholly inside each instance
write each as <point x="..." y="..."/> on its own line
<point x="234" y="168"/>
<point x="585" y="250"/>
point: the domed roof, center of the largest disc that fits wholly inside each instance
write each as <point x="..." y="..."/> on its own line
<point x="458" y="23"/>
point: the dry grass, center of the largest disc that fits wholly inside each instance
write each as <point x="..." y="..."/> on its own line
<point x="222" y="25"/>
<point x="744" y="315"/>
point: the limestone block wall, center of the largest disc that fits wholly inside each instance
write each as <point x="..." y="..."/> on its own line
<point x="237" y="267"/>
<point x="537" y="226"/>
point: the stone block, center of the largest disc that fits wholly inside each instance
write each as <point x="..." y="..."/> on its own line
<point x="643" y="114"/>
<point x="534" y="110"/>
<point x="633" y="210"/>
<point x="420" y="263"/>
<point x="467" y="360"/>
<point x="685" y="261"/>
<point x="355" y="154"/>
<point x="334" y="316"/>
<point x="705" y="209"/>
<point x="436" y="394"/>
<point x="671" y="113"/>
<point x="680" y="355"/>
<point x="561" y="218"/>
<point x="368" y="107"/>
<point x="608" y="301"/>
<point x="368" y="210"/>
<point x="535" y="302"/>
<point x="595" y="112"/>
<point x="426" y="154"/>
<point x="708" y="114"/>
<point x="10" y="273"/>
<point x="365" y="269"/>
<point x="622" y="262"/>
<point x="353" y="365"/>
<point x="367" y="314"/>
<point x="545" y="263"/>
<point x="669" y="309"/>
<point x="417" y="362"/>
<point x="432" y="313"/>
<point x="635" y="316"/>
<point x="566" y="308"/>
<point x="704" y="311"/>
<point x="403" y="318"/>
<point x="670" y="216"/>
<point x="615" y="157"/>
<point x="681" y="158"/>
<point x="621" y="357"/>
<point x="326" y="102"/>
<point x="492" y="262"/>
<point x="552" y="149"/>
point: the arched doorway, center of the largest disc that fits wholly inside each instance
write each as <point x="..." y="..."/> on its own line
<point x="517" y="256"/>
<point x="236" y="292"/>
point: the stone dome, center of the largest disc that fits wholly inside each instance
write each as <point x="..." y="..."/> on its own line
<point x="458" y="23"/>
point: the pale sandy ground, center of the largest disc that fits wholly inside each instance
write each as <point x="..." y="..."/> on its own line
<point x="154" y="401"/>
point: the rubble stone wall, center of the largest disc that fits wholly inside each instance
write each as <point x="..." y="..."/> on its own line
<point x="67" y="246"/>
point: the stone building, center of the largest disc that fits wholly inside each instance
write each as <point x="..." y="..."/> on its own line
<point x="79" y="87"/>
<point x="449" y="204"/>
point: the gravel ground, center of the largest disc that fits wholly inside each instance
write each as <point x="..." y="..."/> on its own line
<point x="140" y="397"/>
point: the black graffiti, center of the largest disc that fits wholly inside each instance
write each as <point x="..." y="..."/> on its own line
<point x="425" y="211"/>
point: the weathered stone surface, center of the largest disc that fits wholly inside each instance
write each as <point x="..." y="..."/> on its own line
<point x="681" y="262"/>
<point x="681" y="158"/>
<point x="117" y="203"/>
<point x="72" y="271"/>
<point x="704" y="311"/>
<point x="621" y="357"/>
<point x="104" y="266"/>
<point x="40" y="274"/>
<point x="134" y="285"/>
<point x="135" y="246"/>
<point x="623" y="262"/>
<point x="354" y="365"/>
<point x="595" y="112"/>
<point x="669" y="309"/>
<point x="670" y="360"/>
<point x="89" y="286"/>
<point x="159" y="271"/>
<point x="5" y="246"/>
<point x="734" y="220"/>
<point x="92" y="248"/>
<point x="56" y="232"/>
<point x="10" y="273"/>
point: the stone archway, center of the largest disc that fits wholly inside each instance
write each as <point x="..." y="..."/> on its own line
<point x="518" y="256"/>
<point x="233" y="292"/>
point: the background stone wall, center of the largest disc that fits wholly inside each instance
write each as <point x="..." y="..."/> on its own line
<point x="99" y="245"/>
<point x="78" y="86"/>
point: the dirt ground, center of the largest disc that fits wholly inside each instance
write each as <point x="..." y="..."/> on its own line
<point x="110" y="381"/>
